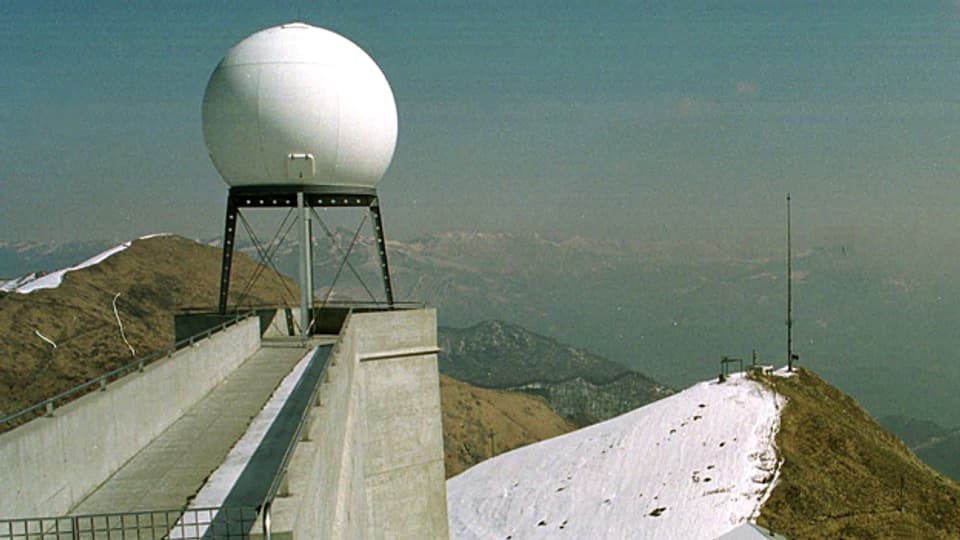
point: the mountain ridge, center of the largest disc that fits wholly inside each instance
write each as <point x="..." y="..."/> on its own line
<point x="578" y="385"/>
<point x="825" y="470"/>
<point x="148" y="282"/>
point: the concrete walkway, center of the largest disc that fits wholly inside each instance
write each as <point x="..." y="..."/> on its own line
<point x="169" y="471"/>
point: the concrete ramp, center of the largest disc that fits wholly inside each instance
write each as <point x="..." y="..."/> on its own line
<point x="170" y="470"/>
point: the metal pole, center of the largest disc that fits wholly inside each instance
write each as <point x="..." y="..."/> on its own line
<point x="789" y="294"/>
<point x="306" y="265"/>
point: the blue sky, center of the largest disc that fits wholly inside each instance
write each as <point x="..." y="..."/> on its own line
<point x="650" y="121"/>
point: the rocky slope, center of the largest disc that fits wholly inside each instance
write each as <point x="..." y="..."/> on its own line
<point x="844" y="476"/>
<point x="479" y="423"/>
<point x="498" y="354"/>
<point x="584" y="402"/>
<point x="580" y="386"/>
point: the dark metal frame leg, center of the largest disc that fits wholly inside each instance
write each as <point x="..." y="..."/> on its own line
<point x="382" y="249"/>
<point x="229" y="235"/>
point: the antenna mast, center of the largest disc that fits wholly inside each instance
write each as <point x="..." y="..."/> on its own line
<point x="789" y="295"/>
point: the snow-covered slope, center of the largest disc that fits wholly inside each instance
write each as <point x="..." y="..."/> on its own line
<point x="693" y="465"/>
<point x="33" y="281"/>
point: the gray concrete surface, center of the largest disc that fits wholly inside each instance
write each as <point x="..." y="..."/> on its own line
<point x="373" y="465"/>
<point x="173" y="467"/>
<point x="400" y="388"/>
<point x="51" y="464"/>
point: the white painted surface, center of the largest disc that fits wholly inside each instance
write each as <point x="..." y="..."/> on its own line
<point x="693" y="465"/>
<point x="292" y="90"/>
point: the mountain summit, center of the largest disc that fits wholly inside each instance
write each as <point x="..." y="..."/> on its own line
<point x="789" y="452"/>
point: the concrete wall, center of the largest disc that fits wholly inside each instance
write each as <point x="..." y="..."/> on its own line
<point x="400" y="389"/>
<point x="50" y="464"/>
<point x="373" y="464"/>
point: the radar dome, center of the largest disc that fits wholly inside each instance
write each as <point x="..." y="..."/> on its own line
<point x="296" y="104"/>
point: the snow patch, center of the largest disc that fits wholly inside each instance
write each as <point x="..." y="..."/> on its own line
<point x="32" y="282"/>
<point x="13" y="284"/>
<point x="692" y="465"/>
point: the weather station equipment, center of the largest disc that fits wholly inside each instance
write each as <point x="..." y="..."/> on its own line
<point x="296" y="116"/>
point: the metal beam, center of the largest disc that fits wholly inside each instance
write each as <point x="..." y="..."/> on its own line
<point x="382" y="249"/>
<point x="229" y="235"/>
<point x="306" y="264"/>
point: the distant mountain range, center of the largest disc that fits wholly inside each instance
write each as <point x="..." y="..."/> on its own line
<point x="578" y="385"/>
<point x="936" y="445"/>
<point x="19" y="258"/>
<point x="670" y="311"/>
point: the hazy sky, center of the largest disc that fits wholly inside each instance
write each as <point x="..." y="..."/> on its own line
<point x="636" y="120"/>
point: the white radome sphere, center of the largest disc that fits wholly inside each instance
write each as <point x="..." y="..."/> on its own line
<point x="297" y="104"/>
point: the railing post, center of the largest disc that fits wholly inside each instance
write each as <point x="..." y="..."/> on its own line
<point x="284" y="490"/>
<point x="267" y="533"/>
<point x="305" y="433"/>
<point x="75" y="527"/>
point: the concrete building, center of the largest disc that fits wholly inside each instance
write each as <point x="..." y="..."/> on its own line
<point x="353" y="449"/>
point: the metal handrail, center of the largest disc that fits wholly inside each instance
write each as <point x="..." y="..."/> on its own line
<point x="216" y="523"/>
<point x="278" y="479"/>
<point x="365" y="304"/>
<point x="138" y="364"/>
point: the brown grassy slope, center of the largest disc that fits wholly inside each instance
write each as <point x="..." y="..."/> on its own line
<point x="155" y="277"/>
<point x="841" y="473"/>
<point x="471" y="414"/>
